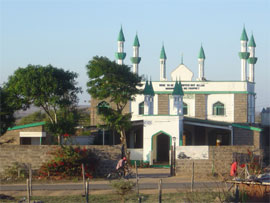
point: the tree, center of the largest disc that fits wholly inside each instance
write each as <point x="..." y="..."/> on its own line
<point x="116" y="84"/>
<point x="6" y="111"/>
<point x="47" y="87"/>
<point x="37" y="116"/>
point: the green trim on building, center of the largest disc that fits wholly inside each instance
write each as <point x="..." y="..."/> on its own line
<point x="252" y="60"/>
<point x="136" y="42"/>
<point x="121" y="37"/>
<point x="135" y="60"/>
<point x="162" y="53"/>
<point x="158" y="133"/>
<point x="121" y="56"/>
<point x="252" y="42"/>
<point x="243" y="55"/>
<point x="247" y="127"/>
<point x="244" y="36"/>
<point x="27" y="125"/>
<point x="201" y="54"/>
<point x="160" y="115"/>
<point x="208" y="92"/>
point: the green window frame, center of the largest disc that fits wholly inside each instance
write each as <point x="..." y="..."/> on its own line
<point x="141" y="108"/>
<point x="101" y="105"/>
<point x="185" y="108"/>
<point x="218" y="109"/>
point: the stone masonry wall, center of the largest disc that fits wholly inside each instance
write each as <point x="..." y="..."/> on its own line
<point x="12" y="137"/>
<point x="240" y="108"/>
<point x="200" y="104"/>
<point x="94" y="118"/>
<point x="163" y="104"/>
<point x="220" y="160"/>
<point x="38" y="154"/>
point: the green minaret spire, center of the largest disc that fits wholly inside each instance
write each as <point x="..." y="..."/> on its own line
<point x="136" y="42"/>
<point x="162" y="53"/>
<point x="252" y="42"/>
<point x="178" y="90"/>
<point x="121" y="37"/>
<point x="148" y="89"/>
<point x="201" y="53"/>
<point x="244" y="36"/>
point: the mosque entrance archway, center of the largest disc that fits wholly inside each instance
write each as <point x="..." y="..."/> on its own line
<point x="161" y="143"/>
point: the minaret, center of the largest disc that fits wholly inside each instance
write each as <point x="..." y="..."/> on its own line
<point x="244" y="55"/>
<point x="148" y="98"/>
<point x="136" y="59"/>
<point x="201" y="58"/>
<point x="252" y="59"/>
<point x="176" y="101"/>
<point x="162" y="60"/>
<point x="120" y="54"/>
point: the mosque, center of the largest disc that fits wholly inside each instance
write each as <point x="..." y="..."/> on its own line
<point x="190" y="112"/>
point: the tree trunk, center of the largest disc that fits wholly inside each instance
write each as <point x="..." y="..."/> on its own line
<point x="59" y="139"/>
<point x="124" y="142"/>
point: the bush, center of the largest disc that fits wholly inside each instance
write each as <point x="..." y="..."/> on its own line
<point x="123" y="187"/>
<point x="16" y="171"/>
<point x="67" y="162"/>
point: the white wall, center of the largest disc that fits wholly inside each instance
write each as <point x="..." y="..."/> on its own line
<point x="193" y="152"/>
<point x="136" y="154"/>
<point x="227" y="100"/>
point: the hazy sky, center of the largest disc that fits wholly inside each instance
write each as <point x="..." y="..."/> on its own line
<point x="68" y="33"/>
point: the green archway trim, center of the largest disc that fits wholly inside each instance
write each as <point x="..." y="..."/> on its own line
<point x="158" y="133"/>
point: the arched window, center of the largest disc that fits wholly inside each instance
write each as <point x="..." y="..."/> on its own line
<point x="141" y="108"/>
<point x="218" y="109"/>
<point x="101" y="106"/>
<point x="185" y="108"/>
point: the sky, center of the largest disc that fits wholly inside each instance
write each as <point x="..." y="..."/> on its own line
<point x="69" y="33"/>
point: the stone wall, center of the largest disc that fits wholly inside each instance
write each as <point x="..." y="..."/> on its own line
<point x="163" y="104"/>
<point x="94" y="118"/>
<point x="200" y="106"/>
<point x="13" y="136"/>
<point x="220" y="160"/>
<point x="38" y="154"/>
<point x="240" y="108"/>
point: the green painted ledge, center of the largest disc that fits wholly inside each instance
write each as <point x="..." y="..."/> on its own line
<point x="247" y="127"/>
<point x="27" y="125"/>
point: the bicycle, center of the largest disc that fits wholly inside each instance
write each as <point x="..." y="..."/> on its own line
<point x="123" y="172"/>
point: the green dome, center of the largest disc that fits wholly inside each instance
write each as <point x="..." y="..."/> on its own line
<point x="244" y="36"/>
<point x="136" y="42"/>
<point x="162" y="53"/>
<point x="121" y="37"/>
<point x="201" y="53"/>
<point x="252" y="42"/>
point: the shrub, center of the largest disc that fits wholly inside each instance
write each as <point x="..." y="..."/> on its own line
<point x="123" y="187"/>
<point x="15" y="172"/>
<point x="67" y="162"/>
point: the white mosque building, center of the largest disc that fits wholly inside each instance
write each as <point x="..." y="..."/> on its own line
<point x="190" y="112"/>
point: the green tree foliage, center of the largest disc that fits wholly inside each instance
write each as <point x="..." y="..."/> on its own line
<point x="47" y="87"/>
<point x="116" y="84"/>
<point x="6" y="111"/>
<point x="37" y="116"/>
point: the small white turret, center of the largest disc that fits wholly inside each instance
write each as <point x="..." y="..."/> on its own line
<point x="176" y="101"/>
<point x="120" y="54"/>
<point x="162" y="60"/>
<point x="136" y="59"/>
<point x="244" y="55"/>
<point x="201" y="58"/>
<point x="148" y="98"/>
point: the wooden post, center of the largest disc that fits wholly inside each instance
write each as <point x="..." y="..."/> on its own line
<point x="28" y="190"/>
<point x="171" y="171"/>
<point x="87" y="191"/>
<point x="83" y="175"/>
<point x="192" y="178"/>
<point x="160" y="191"/>
<point x="30" y="179"/>
<point x="174" y="159"/>
<point x="137" y="179"/>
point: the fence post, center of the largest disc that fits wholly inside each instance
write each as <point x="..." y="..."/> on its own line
<point x="137" y="179"/>
<point x="160" y="191"/>
<point x="28" y="190"/>
<point x="171" y="171"/>
<point x="30" y="179"/>
<point x="83" y="175"/>
<point x="192" y="178"/>
<point x="87" y="191"/>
